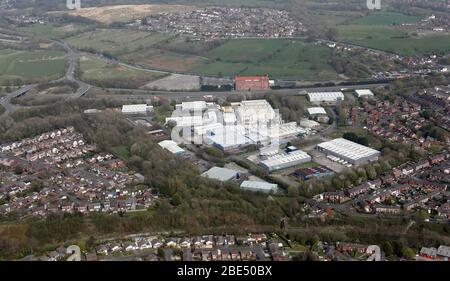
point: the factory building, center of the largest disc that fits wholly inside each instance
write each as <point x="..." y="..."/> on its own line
<point x="349" y="151"/>
<point x="251" y="83"/>
<point x="260" y="186"/>
<point x="309" y="124"/>
<point x="253" y="112"/>
<point x="319" y="114"/>
<point x="192" y="106"/>
<point x="171" y="146"/>
<point x="285" y="160"/>
<point x="312" y="111"/>
<point x="227" y="138"/>
<point x="325" y="97"/>
<point x="221" y="174"/>
<point x="281" y="133"/>
<point x="186" y="121"/>
<point x="231" y="128"/>
<point x="136" y="109"/>
<point x="363" y="93"/>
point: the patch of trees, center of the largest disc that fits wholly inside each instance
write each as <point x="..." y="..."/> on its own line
<point x="434" y="132"/>
<point x="36" y="100"/>
<point x="349" y="66"/>
<point x="355" y="138"/>
<point x="291" y="107"/>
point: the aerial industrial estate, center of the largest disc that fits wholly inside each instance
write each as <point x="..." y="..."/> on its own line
<point x="198" y="131"/>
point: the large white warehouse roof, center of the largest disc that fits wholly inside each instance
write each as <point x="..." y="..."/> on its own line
<point x="192" y="105"/>
<point x="316" y="111"/>
<point x="363" y="93"/>
<point x="171" y="146"/>
<point x="285" y="160"/>
<point x="325" y="96"/>
<point x="220" y="174"/>
<point x="135" y="108"/>
<point x="255" y="111"/>
<point x="259" y="186"/>
<point x="227" y="136"/>
<point x="349" y="150"/>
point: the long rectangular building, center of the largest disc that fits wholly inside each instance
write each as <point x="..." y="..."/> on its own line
<point x="285" y="160"/>
<point x="171" y="146"/>
<point x="349" y="151"/>
<point x="260" y="186"/>
<point x="136" y="108"/>
<point x="250" y="83"/>
<point x="327" y="97"/>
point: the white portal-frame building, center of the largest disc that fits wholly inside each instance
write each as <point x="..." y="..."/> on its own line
<point x="349" y="151"/>
<point x="325" y="97"/>
<point x="285" y="160"/>
<point x="363" y="93"/>
<point x="136" y="108"/>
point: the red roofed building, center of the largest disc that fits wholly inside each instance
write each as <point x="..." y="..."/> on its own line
<point x="249" y="83"/>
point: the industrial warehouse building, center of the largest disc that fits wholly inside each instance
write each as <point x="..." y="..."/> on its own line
<point x="136" y="109"/>
<point x="285" y="160"/>
<point x="192" y="106"/>
<point x="312" y="111"/>
<point x="250" y="83"/>
<point x="227" y="138"/>
<point x="309" y="124"/>
<point x="325" y="97"/>
<point x="363" y="93"/>
<point x="221" y="174"/>
<point x="253" y="112"/>
<point x="171" y="146"/>
<point x="319" y="114"/>
<point x="349" y="151"/>
<point x="231" y="128"/>
<point x="260" y="186"/>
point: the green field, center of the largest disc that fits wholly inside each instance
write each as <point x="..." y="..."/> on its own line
<point x="279" y="58"/>
<point x="94" y="69"/>
<point x="393" y="39"/>
<point x="115" y="41"/>
<point x="31" y="65"/>
<point x="163" y="59"/>
<point x="386" y="18"/>
<point x="52" y="30"/>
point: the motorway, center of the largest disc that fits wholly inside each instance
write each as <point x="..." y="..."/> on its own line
<point x="72" y="58"/>
<point x="6" y="101"/>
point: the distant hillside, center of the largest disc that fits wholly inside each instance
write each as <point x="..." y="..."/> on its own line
<point x="55" y="5"/>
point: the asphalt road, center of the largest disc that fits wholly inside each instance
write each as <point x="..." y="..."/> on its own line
<point x="6" y="101"/>
<point x="72" y="58"/>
